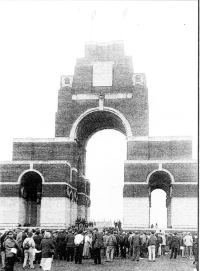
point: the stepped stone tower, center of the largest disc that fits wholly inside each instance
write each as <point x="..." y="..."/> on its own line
<point x="45" y="184"/>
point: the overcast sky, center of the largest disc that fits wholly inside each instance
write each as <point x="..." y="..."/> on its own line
<point x="40" y="41"/>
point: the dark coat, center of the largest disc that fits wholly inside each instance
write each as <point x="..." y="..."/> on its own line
<point x="10" y="243"/>
<point x="37" y="239"/>
<point x="61" y="243"/>
<point x="136" y="241"/>
<point x="97" y="240"/>
<point x="175" y="241"/>
<point x="46" y="245"/>
<point x="70" y="240"/>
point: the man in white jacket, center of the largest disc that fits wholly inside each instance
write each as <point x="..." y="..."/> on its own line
<point x="188" y="242"/>
<point x="28" y="246"/>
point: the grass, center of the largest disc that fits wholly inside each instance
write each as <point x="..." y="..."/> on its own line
<point x="161" y="264"/>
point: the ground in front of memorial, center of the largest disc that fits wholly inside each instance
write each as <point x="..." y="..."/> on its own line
<point x="161" y="264"/>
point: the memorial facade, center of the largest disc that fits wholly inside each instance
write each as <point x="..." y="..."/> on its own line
<point x="45" y="184"/>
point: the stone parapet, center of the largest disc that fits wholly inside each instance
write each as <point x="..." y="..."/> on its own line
<point x="159" y="150"/>
<point x="45" y="151"/>
<point x="136" y="190"/>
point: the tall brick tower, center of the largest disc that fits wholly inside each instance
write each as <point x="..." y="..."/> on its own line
<point x="49" y="174"/>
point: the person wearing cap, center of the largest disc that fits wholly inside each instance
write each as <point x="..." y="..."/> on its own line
<point x="11" y="248"/>
<point x="188" y="242"/>
<point x="79" y="242"/>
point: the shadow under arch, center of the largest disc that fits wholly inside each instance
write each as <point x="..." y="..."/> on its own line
<point x="30" y="193"/>
<point x="161" y="179"/>
<point x="95" y="120"/>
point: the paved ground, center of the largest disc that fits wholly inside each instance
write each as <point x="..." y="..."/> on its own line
<point x="161" y="264"/>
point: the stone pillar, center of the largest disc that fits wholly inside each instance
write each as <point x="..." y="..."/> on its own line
<point x="22" y="211"/>
<point x="136" y="212"/>
<point x="184" y="212"/>
<point x="73" y="214"/>
<point x="38" y="214"/>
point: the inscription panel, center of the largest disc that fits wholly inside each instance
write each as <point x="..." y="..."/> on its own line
<point x="102" y="74"/>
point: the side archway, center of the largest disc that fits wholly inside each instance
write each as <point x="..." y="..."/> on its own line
<point x="30" y="193"/>
<point x="161" y="179"/>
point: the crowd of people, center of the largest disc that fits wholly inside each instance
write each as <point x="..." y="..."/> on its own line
<point x="34" y="247"/>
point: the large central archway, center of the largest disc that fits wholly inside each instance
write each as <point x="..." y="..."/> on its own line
<point x="94" y="120"/>
<point x="88" y="124"/>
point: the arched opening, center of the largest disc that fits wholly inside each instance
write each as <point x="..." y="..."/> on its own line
<point x="30" y="194"/>
<point x="84" y="130"/>
<point x="106" y="152"/>
<point x="158" y="211"/>
<point x="160" y="188"/>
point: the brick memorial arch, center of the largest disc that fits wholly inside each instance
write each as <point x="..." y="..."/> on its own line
<point x="103" y="93"/>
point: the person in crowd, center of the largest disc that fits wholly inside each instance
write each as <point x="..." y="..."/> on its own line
<point x="70" y="246"/>
<point x="54" y="238"/>
<point x="2" y="248"/>
<point x="116" y="248"/>
<point x="61" y="245"/>
<point x="110" y="246"/>
<point x="144" y="247"/>
<point x="105" y="236"/>
<point x="97" y="244"/>
<point x="37" y="239"/>
<point x="163" y="244"/>
<point x="18" y="239"/>
<point x="131" y="234"/>
<point x="122" y="245"/>
<point x="158" y="245"/>
<point x="136" y="243"/>
<point x="188" y="242"/>
<point x="11" y="248"/>
<point x="182" y="245"/>
<point x="28" y="246"/>
<point x="175" y="244"/>
<point x="87" y="245"/>
<point x="152" y="246"/>
<point x="47" y="250"/>
<point x="79" y="242"/>
<point x="195" y="251"/>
